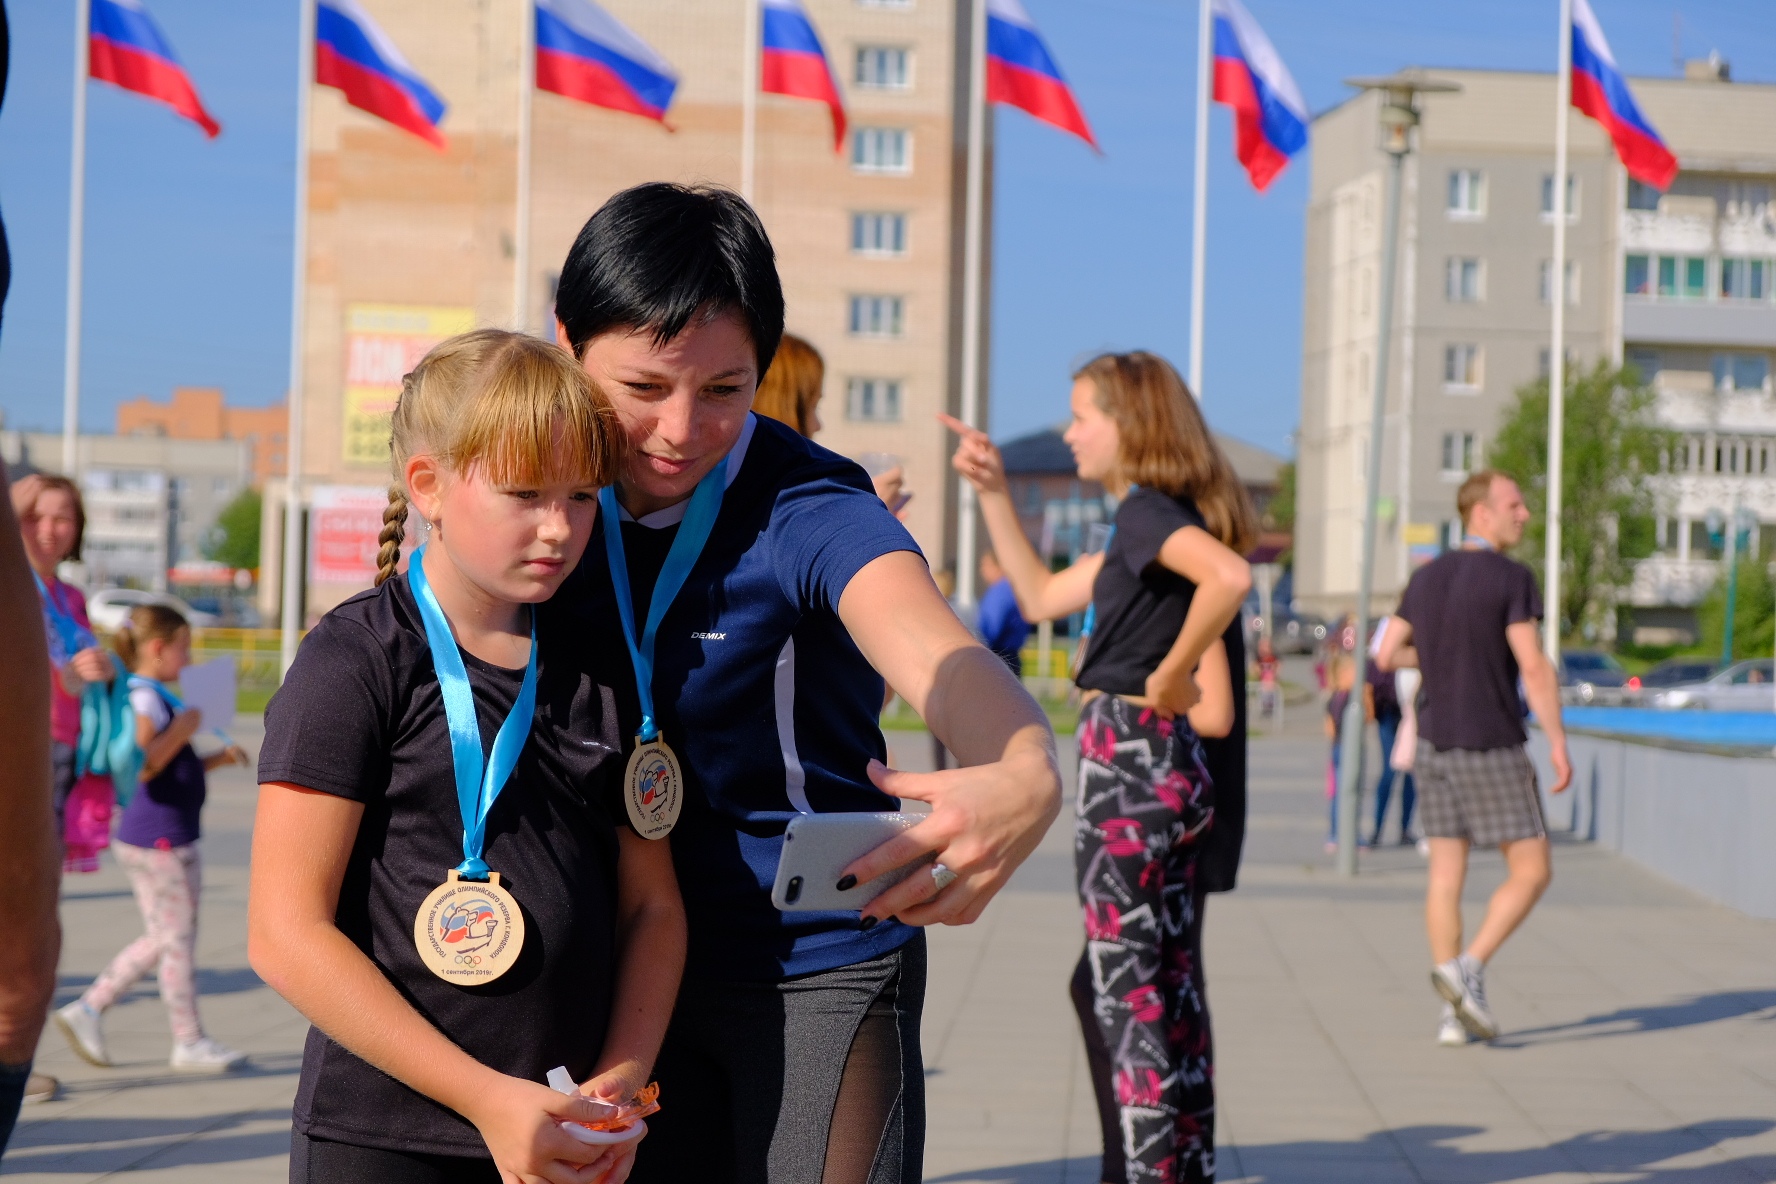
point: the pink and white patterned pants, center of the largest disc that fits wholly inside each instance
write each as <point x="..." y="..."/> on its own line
<point x="166" y="882"/>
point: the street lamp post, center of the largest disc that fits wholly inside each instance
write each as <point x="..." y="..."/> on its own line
<point x="1736" y="530"/>
<point x="1399" y="115"/>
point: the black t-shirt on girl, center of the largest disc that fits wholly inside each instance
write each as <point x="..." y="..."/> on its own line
<point x="360" y="715"/>
<point x="1140" y="603"/>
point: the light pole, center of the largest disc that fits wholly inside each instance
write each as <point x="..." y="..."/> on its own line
<point x="1399" y="115"/>
<point x="1732" y="534"/>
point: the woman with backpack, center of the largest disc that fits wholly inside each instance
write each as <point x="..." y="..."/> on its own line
<point x="157" y="844"/>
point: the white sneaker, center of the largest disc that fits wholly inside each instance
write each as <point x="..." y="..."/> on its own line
<point x="1462" y="984"/>
<point x="206" y="1056"/>
<point x="1450" y="1033"/>
<point x="80" y="1024"/>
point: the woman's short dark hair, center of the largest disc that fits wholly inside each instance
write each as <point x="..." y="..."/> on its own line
<point x="656" y="256"/>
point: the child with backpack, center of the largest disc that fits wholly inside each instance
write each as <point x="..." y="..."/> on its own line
<point x="157" y="844"/>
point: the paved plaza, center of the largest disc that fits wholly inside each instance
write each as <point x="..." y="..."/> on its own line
<point x="1640" y="1026"/>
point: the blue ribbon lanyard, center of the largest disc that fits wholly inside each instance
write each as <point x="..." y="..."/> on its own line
<point x="479" y="779"/>
<point x="173" y="701"/>
<point x="693" y="535"/>
<point x="1091" y="610"/>
<point x="1476" y="542"/>
<point x="72" y="635"/>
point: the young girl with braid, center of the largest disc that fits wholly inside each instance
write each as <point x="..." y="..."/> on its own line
<point x="444" y="881"/>
<point x="1161" y="743"/>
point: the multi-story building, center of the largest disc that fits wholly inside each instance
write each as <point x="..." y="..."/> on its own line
<point x="409" y="244"/>
<point x="151" y="502"/>
<point x="1681" y="284"/>
<point x="201" y="413"/>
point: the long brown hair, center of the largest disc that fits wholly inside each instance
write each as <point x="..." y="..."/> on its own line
<point x="147" y="622"/>
<point x="792" y="386"/>
<point x="519" y="407"/>
<point x="1166" y="445"/>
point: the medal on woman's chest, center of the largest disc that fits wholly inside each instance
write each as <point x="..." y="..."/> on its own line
<point x="469" y="930"/>
<point x="653" y="782"/>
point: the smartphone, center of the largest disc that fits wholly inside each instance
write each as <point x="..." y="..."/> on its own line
<point x="818" y="847"/>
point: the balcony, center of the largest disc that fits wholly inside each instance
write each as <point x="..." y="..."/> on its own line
<point x="1743" y="324"/>
<point x="1665" y="579"/>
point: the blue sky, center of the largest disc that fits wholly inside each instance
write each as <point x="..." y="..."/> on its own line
<point x="188" y="241"/>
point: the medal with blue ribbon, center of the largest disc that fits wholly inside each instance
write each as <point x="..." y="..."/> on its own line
<point x="653" y="782"/>
<point x="469" y="929"/>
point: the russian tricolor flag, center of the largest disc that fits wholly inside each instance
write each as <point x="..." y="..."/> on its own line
<point x="1269" y="113"/>
<point x="794" y="62"/>
<point x="1022" y="73"/>
<point x="585" y="53"/>
<point x="127" y="50"/>
<point x="1600" y="91"/>
<point x="354" y="55"/>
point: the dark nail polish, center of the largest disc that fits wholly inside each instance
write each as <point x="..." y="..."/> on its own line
<point x="868" y="923"/>
<point x="847" y="882"/>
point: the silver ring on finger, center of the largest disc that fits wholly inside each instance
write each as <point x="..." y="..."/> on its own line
<point x="942" y="876"/>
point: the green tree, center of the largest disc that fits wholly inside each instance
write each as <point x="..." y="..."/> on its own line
<point x="1754" y="613"/>
<point x="1279" y="513"/>
<point x="235" y="538"/>
<point x="1613" y="443"/>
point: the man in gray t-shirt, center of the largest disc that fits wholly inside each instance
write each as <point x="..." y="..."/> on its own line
<point x="1469" y="621"/>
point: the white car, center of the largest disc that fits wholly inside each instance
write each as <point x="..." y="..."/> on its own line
<point x="109" y="608"/>
<point x="1743" y="686"/>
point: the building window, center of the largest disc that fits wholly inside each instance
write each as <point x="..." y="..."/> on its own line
<point x="1462" y="280"/>
<point x="1741" y="372"/>
<point x="1745" y="279"/>
<point x="1458" y="453"/>
<point x="1637" y="276"/>
<point x="1646" y="363"/>
<point x="1642" y="196"/>
<point x="1572" y="197"/>
<point x="1467" y="193"/>
<point x="873" y="400"/>
<point x="876" y="316"/>
<point x="882" y="150"/>
<point x="879" y="234"/>
<point x="1683" y="276"/>
<point x="1572" y="281"/>
<point x="883" y="67"/>
<point x="1461" y="367"/>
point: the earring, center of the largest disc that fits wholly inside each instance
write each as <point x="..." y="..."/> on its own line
<point x="428" y="526"/>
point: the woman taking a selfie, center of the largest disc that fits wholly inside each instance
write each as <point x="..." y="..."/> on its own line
<point x="1156" y="668"/>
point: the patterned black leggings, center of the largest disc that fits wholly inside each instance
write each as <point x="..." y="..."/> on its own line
<point x="1145" y="803"/>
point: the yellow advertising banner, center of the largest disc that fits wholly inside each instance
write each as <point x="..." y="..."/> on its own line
<point x="382" y="343"/>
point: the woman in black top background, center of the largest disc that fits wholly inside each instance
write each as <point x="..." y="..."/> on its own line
<point x="1151" y="812"/>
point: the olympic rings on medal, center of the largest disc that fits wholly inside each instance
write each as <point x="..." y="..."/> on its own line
<point x="468" y="959"/>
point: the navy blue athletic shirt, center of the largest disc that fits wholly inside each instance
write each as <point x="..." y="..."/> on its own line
<point x="760" y="691"/>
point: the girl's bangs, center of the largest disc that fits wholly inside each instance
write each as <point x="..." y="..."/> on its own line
<point x="536" y="423"/>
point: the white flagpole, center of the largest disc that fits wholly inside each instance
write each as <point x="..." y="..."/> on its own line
<point x="76" y="245"/>
<point x="974" y="217"/>
<point x="521" y="217"/>
<point x="291" y="617"/>
<point x="1199" y="228"/>
<point x="1557" y="350"/>
<point x="749" y="97"/>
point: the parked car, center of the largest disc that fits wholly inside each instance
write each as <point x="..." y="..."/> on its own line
<point x="1743" y="686"/>
<point x="1678" y="671"/>
<point x="1290" y="633"/>
<point x="1593" y="678"/>
<point x="109" y="608"/>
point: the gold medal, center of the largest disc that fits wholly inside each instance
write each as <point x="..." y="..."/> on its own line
<point x="468" y="932"/>
<point x="653" y="788"/>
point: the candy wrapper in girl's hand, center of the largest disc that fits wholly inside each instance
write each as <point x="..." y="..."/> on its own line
<point x="622" y="1124"/>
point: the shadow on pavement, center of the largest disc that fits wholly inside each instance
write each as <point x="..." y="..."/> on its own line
<point x="210" y="981"/>
<point x="59" y="1146"/>
<point x="1626" y="1021"/>
<point x="1419" y="1153"/>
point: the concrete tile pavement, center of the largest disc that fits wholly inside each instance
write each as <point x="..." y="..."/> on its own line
<point x="1640" y="1023"/>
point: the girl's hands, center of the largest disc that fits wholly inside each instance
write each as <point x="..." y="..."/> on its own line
<point x="91" y="665"/>
<point x="1171" y="691"/>
<point x="977" y="458"/>
<point x="521" y="1123"/>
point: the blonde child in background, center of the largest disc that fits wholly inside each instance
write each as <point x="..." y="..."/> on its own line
<point x="1341" y="676"/>
<point x="157" y="844"/>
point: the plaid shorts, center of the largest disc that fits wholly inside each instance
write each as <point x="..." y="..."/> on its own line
<point x="1486" y="796"/>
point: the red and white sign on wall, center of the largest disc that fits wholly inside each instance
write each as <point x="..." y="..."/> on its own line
<point x="344" y="523"/>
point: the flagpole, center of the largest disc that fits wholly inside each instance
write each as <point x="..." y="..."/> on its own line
<point x="291" y="615"/>
<point x="1557" y="351"/>
<point x="1199" y="228"/>
<point x="974" y="216"/>
<point x="521" y="223"/>
<point x="76" y="244"/>
<point x="749" y="97"/>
